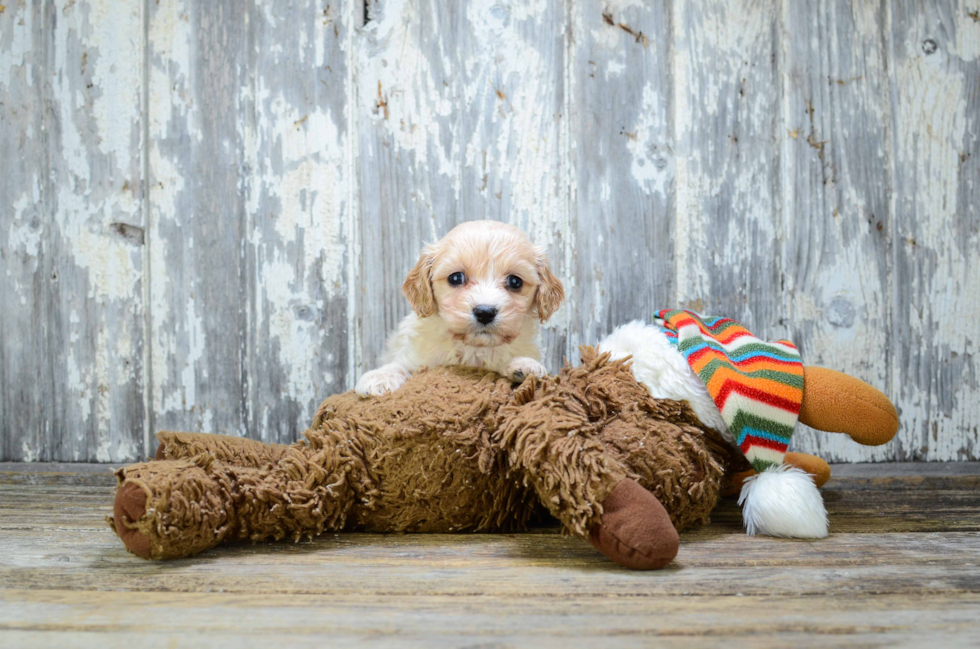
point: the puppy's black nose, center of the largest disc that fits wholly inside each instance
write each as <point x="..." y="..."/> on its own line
<point x="484" y="314"/>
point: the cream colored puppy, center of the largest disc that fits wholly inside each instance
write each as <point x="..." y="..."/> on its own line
<point x="477" y="295"/>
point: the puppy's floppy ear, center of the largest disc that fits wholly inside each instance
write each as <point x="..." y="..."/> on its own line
<point x="550" y="293"/>
<point x="418" y="285"/>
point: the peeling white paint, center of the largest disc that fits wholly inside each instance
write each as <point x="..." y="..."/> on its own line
<point x="28" y="452"/>
<point x="78" y="141"/>
<point x="298" y="218"/>
<point x="308" y="187"/>
<point x="296" y="338"/>
<point x="115" y="38"/>
<point x="21" y="237"/>
<point x="934" y="128"/>
<point x="176" y="340"/>
<point x="114" y="268"/>
<point x="524" y="132"/>
<point x="170" y="36"/>
<point x="834" y="277"/>
<point x="409" y="112"/>
<point x="652" y="167"/>
<point x="102" y="406"/>
<point x="17" y="45"/>
<point x="967" y="43"/>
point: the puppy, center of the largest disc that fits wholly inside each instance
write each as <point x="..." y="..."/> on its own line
<point x="477" y="296"/>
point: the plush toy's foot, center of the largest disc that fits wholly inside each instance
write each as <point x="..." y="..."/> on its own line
<point x="129" y="507"/>
<point x="635" y="530"/>
<point x="813" y="465"/>
<point x="172" y="509"/>
<point x="837" y="403"/>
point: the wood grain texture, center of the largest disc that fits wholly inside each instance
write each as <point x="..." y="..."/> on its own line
<point x="726" y="104"/>
<point x="622" y="156"/>
<point x="835" y="147"/>
<point x="251" y="194"/>
<point x="197" y="68"/>
<point x="67" y="581"/>
<point x="165" y="619"/>
<point x="71" y="231"/>
<point x="210" y="208"/>
<point x="299" y="187"/>
<point x="935" y="96"/>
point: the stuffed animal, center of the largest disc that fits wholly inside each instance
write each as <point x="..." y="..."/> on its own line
<point x="753" y="392"/>
<point x="452" y="450"/>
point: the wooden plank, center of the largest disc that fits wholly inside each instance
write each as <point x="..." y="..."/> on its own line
<point x="622" y="157"/>
<point x="26" y="390"/>
<point x="233" y="640"/>
<point x="68" y="581"/>
<point x="935" y="76"/>
<point x="438" y="145"/>
<point x="43" y="468"/>
<point x="299" y="188"/>
<point x="252" y="193"/>
<point x="52" y="473"/>
<point x="905" y="469"/>
<point x="836" y="218"/>
<point x="198" y="57"/>
<point x="64" y="524"/>
<point x="726" y="103"/>
<point x="438" y="621"/>
<point x="502" y="565"/>
<point x="71" y="232"/>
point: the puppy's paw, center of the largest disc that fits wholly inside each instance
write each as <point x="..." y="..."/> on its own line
<point x="522" y="367"/>
<point x="383" y="380"/>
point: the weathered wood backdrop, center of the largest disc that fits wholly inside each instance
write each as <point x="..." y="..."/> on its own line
<point x="208" y="207"/>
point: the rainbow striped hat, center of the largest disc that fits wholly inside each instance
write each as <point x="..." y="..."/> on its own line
<point x="757" y="385"/>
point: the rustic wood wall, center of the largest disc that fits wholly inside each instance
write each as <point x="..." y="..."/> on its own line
<point x="208" y="207"/>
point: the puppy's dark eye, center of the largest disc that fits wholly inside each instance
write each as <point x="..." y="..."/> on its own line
<point x="514" y="282"/>
<point x="456" y="279"/>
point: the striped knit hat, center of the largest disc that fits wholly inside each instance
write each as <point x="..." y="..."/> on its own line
<point x="756" y="385"/>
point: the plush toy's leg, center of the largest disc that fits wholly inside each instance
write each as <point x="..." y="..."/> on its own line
<point x="572" y="473"/>
<point x="813" y="465"/>
<point x="177" y="508"/>
<point x="234" y="450"/>
<point x="171" y="509"/>
<point x="635" y="530"/>
<point x="837" y="403"/>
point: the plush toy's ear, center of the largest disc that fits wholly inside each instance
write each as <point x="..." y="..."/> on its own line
<point x="550" y="293"/>
<point x="418" y="285"/>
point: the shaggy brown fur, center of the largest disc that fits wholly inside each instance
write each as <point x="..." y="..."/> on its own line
<point x="453" y="449"/>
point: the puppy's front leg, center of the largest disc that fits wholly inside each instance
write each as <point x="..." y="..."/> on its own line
<point x="522" y="367"/>
<point x="383" y="380"/>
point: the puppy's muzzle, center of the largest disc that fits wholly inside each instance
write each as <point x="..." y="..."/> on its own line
<point x="484" y="314"/>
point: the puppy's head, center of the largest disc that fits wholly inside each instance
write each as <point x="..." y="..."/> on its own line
<point x="486" y="280"/>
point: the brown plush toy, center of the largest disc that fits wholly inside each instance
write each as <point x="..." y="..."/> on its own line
<point x="452" y="450"/>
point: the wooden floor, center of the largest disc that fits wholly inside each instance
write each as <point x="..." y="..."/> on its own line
<point x="901" y="568"/>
